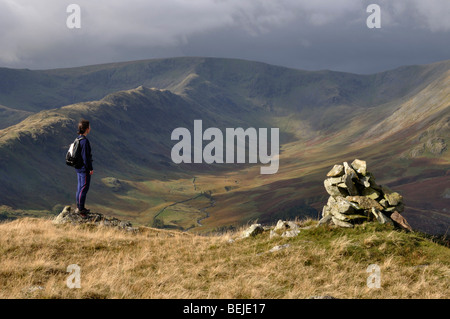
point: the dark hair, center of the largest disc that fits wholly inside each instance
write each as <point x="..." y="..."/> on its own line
<point x="83" y="125"/>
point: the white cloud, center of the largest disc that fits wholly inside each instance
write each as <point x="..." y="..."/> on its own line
<point x="435" y="13"/>
<point x="432" y="15"/>
<point x="34" y="32"/>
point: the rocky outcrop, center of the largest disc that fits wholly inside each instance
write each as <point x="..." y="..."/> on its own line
<point x="400" y="220"/>
<point x="282" y="228"/>
<point x="285" y="229"/>
<point x="68" y="215"/>
<point x="355" y="197"/>
<point x="252" y="231"/>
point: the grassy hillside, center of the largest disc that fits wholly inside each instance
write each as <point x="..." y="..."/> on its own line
<point x="156" y="263"/>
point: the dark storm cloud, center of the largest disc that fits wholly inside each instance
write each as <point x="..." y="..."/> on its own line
<point x="312" y="35"/>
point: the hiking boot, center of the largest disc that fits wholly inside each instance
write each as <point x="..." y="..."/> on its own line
<point x="83" y="212"/>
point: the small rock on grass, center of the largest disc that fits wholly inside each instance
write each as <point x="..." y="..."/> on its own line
<point x="252" y="231"/>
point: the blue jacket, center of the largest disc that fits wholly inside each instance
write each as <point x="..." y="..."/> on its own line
<point x="87" y="157"/>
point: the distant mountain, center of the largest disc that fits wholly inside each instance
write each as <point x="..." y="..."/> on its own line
<point x="36" y="90"/>
<point x="397" y="119"/>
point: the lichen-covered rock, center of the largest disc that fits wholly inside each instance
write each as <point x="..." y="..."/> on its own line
<point x="342" y="206"/>
<point x="68" y="215"/>
<point x="350" y="171"/>
<point x="350" y="185"/>
<point x="279" y="247"/>
<point x="337" y="170"/>
<point x="252" y="231"/>
<point x="325" y="220"/>
<point x="285" y="229"/>
<point x="290" y="233"/>
<point x="394" y="198"/>
<point x="359" y="166"/>
<point x="365" y="181"/>
<point x="370" y="192"/>
<point x="364" y="202"/>
<point x="399" y="208"/>
<point x="331" y="189"/>
<point x="383" y="202"/>
<point x="341" y="223"/>
<point x="380" y="217"/>
<point x="400" y="221"/>
<point x="285" y="225"/>
<point x="326" y="210"/>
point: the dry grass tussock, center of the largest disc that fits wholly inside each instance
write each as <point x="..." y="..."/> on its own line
<point x="35" y="254"/>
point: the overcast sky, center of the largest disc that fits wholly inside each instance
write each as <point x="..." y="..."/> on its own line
<point x="304" y="34"/>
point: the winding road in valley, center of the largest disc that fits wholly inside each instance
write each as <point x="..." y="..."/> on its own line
<point x="212" y="203"/>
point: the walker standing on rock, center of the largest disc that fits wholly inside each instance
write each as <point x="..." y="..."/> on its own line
<point x="86" y="170"/>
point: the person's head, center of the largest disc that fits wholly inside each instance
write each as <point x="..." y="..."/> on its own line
<point x="84" y="127"/>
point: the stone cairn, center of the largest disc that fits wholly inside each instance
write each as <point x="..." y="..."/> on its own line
<point x="355" y="198"/>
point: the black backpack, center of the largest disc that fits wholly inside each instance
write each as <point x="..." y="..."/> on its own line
<point x="73" y="156"/>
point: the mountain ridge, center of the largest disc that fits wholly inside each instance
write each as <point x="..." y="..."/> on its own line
<point x="54" y="88"/>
